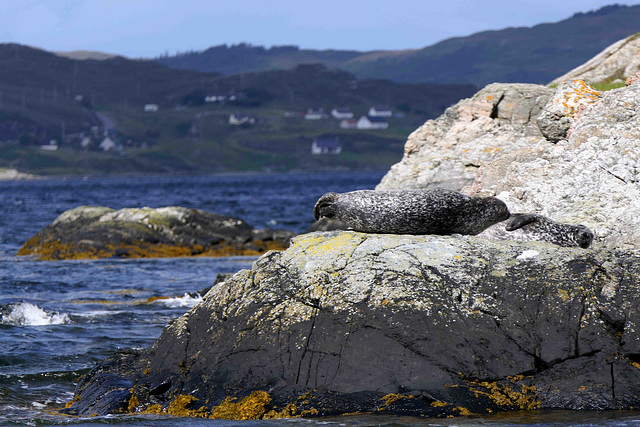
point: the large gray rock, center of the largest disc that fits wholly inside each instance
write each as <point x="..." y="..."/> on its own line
<point x="447" y="152"/>
<point x="593" y="178"/>
<point x="420" y="325"/>
<point x="616" y="62"/>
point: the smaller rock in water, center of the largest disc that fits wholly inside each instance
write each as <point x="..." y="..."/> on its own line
<point x="533" y="227"/>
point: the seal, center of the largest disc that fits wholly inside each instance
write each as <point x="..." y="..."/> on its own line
<point x="430" y="211"/>
<point x="533" y="227"/>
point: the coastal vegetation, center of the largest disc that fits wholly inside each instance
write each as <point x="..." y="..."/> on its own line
<point x="114" y="116"/>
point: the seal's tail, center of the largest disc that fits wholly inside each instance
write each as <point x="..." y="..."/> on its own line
<point x="325" y="206"/>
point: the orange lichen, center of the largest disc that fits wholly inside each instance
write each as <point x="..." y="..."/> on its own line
<point x="55" y="250"/>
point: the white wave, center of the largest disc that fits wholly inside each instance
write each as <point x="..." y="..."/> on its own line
<point x="184" y="301"/>
<point x="27" y="314"/>
<point x="98" y="313"/>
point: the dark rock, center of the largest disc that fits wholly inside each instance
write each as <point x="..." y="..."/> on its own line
<point x="345" y="322"/>
<point x="327" y="224"/>
<point x="99" y="232"/>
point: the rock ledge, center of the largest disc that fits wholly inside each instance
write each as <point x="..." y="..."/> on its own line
<point x="345" y="322"/>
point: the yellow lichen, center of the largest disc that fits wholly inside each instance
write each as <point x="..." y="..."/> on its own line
<point x="503" y="395"/>
<point x="392" y="398"/>
<point x="463" y="411"/>
<point x="55" y="250"/>
<point x="439" y="404"/>
<point x="133" y="404"/>
<point x="178" y="407"/>
<point x="289" y="411"/>
<point x="564" y="295"/>
<point x="252" y="407"/>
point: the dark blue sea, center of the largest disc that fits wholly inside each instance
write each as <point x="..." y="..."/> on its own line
<point x="58" y="318"/>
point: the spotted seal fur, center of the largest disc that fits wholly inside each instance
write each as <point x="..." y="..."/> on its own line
<point x="430" y="211"/>
<point x="533" y="227"/>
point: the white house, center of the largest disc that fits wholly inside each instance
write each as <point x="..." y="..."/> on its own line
<point x="107" y="144"/>
<point x="151" y="108"/>
<point x="341" y="113"/>
<point x="215" y="98"/>
<point x="366" y="122"/>
<point x="237" y="119"/>
<point x="51" y="146"/>
<point x="315" y="114"/>
<point x="325" y="146"/>
<point x="380" y="111"/>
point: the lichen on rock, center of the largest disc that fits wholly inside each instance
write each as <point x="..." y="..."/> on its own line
<point x="345" y="322"/>
<point x="89" y="232"/>
<point x="447" y="152"/>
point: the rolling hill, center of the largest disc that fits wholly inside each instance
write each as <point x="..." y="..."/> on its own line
<point x="535" y="54"/>
<point x="76" y="103"/>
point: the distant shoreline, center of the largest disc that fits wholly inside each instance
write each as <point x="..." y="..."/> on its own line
<point x="14" y="175"/>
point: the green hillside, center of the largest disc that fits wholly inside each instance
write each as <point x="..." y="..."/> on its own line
<point x="94" y="111"/>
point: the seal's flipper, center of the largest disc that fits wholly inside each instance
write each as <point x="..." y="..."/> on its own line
<point x="520" y="220"/>
<point x="325" y="206"/>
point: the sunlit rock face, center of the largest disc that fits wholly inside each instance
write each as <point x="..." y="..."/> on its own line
<point x="591" y="177"/>
<point x="447" y="152"/>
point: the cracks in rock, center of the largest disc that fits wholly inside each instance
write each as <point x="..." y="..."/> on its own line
<point x="583" y="309"/>
<point x="306" y="349"/>
<point x="613" y="385"/>
<point x="494" y="110"/>
<point x="613" y="174"/>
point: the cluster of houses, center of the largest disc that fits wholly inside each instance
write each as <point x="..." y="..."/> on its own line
<point x="95" y="139"/>
<point x="376" y="117"/>
<point x="86" y="142"/>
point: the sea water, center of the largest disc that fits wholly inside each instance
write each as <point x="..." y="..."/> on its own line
<point x="59" y="318"/>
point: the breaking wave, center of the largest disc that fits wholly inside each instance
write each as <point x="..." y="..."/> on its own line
<point x="27" y="314"/>
<point x="187" y="300"/>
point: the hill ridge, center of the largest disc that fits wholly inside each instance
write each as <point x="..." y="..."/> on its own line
<point x="535" y="54"/>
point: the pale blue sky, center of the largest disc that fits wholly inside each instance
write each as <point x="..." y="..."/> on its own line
<point x="147" y="28"/>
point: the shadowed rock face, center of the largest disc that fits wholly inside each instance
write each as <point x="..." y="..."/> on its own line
<point x="421" y="325"/>
<point x="101" y="232"/>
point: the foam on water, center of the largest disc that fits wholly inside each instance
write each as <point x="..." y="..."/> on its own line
<point x="187" y="300"/>
<point x="27" y="314"/>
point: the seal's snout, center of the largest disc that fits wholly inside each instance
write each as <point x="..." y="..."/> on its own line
<point x="585" y="237"/>
<point x="325" y="206"/>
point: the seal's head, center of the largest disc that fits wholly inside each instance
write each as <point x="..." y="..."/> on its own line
<point x="496" y="209"/>
<point x="584" y="236"/>
<point x="325" y="206"/>
<point x="483" y="213"/>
